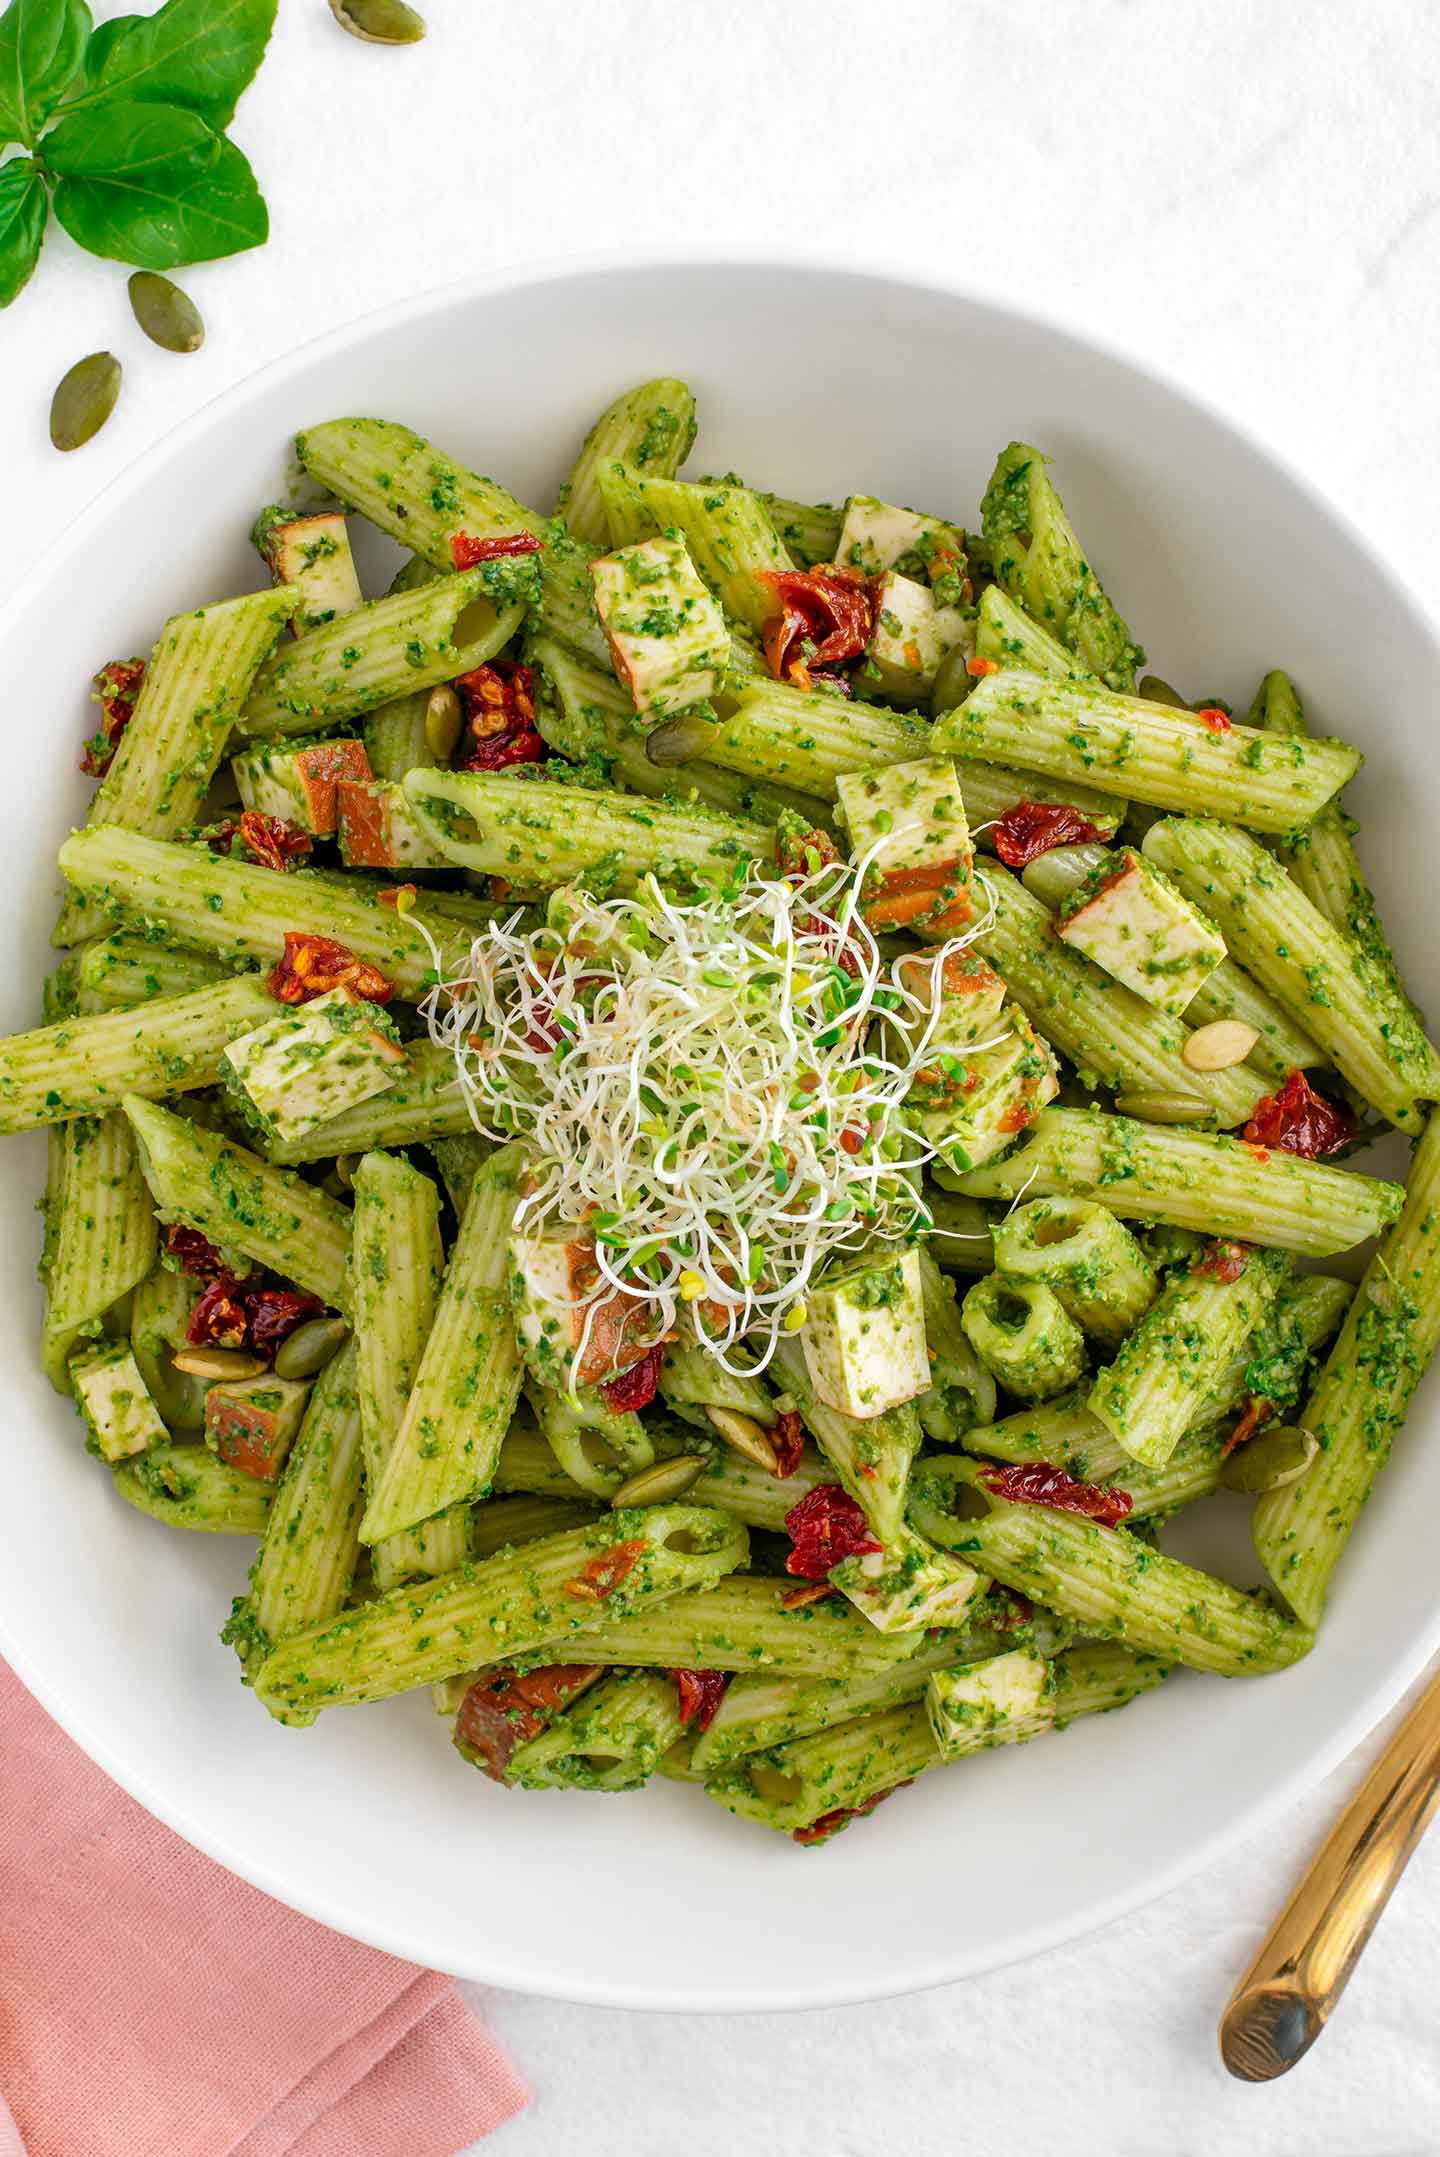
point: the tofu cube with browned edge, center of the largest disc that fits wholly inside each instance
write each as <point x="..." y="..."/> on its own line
<point x="665" y="628"/>
<point x="908" y="1585"/>
<point x="115" y="1401"/>
<point x="1132" y="922"/>
<point x="907" y="822"/>
<point x="1002" y="1701"/>
<point x="877" y="536"/>
<point x="251" y="1423"/>
<point x="864" y="1335"/>
<point x="960" y="1001"/>
<point x="313" y="552"/>
<point x="379" y="830"/>
<point x="912" y="635"/>
<point x="311" y="1061"/>
<point x="301" y="785"/>
<point x="972" y="1105"/>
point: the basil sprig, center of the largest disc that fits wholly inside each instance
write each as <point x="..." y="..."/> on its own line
<point x="120" y="129"/>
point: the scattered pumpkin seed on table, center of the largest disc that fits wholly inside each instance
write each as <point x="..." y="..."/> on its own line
<point x="168" y="316"/>
<point x="84" y="400"/>
<point x="379" y="22"/>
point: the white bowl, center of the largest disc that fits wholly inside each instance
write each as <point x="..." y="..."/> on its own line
<point x="812" y="380"/>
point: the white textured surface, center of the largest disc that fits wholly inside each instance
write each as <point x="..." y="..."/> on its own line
<point x="1247" y="195"/>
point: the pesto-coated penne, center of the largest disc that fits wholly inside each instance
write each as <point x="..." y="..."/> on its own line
<point x="188" y="1486"/>
<point x="962" y="1390"/>
<point x="1144" y="752"/>
<point x="1194" y="1179"/>
<point x="306" y="1560"/>
<point x="726" y="529"/>
<point x="85" y="1066"/>
<point x="458" y="1394"/>
<point x="1036" y="557"/>
<point x="1325" y="980"/>
<point x="243" y="911"/>
<point x="1079" y="1249"/>
<point x="557" y="1590"/>
<point x="541" y="833"/>
<point x="1106" y="1579"/>
<point x="270" y="1215"/>
<point x="1385" y="1346"/>
<point x="395" y="738"/>
<point x="1007" y="635"/>
<point x="611" y="1739"/>
<point x="651" y="429"/>
<point x="117" y="972"/>
<point x="104" y="1235"/>
<point x="1023" y="1334"/>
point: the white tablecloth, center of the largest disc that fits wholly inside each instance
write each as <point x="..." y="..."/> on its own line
<point x="1244" y="191"/>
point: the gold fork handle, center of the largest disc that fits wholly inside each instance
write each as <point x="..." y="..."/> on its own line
<point x="1286" y="1997"/>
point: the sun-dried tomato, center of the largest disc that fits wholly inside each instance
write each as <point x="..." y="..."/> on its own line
<point x="638" y="1386"/>
<point x="1300" y="1120"/>
<point x="1031" y="828"/>
<point x="468" y="552"/>
<point x="1257" y="1410"/>
<point x="194" y="1253"/>
<point x="499" y="701"/>
<point x="314" y="965"/>
<point x="115" y="690"/>
<point x="701" y="1692"/>
<point x="827" y="615"/>
<point x="274" y="1313"/>
<point x="801" y="853"/>
<point x="273" y="841"/>
<point x="814" y="1591"/>
<point x="607" y="1572"/>
<point x="506" y="1709"/>
<point x="220" y="1318"/>
<point x="1035" y="1482"/>
<point x="1223" y="1260"/>
<point x="1210" y="715"/>
<point x="787" y="1436"/>
<point x="826" y="1526"/>
<point x="830" y="1823"/>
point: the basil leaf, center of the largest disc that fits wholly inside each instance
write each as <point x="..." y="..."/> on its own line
<point x="186" y="209"/>
<point x="23" y="211"/>
<point x="197" y="53"/>
<point x="41" y="46"/>
<point x="119" y="140"/>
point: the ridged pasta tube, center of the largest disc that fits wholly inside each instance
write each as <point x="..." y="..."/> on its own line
<point x="1023" y="1334"/>
<point x="1078" y="1248"/>
<point x="105" y="1235"/>
<point x="650" y="428"/>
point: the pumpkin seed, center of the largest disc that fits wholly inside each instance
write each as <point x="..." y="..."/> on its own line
<point x="168" y="316"/>
<point x="1219" y="1045"/>
<point x="661" y="1481"/>
<point x="84" y="400"/>
<point x="345" y="1170"/>
<point x="310" y="1347"/>
<point x="379" y="22"/>
<point x="1270" y="1460"/>
<point x="1156" y="690"/>
<point x="219" y="1362"/>
<point x="443" y="721"/>
<point x="746" y="1436"/>
<point x="1163" y="1107"/>
<point x="676" y="741"/>
<point x="953" y="681"/>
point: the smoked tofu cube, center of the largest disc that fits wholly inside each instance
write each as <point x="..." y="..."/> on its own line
<point x="961" y="994"/>
<point x="1131" y="920"/>
<point x="251" y="1422"/>
<point x="877" y="536"/>
<point x="908" y="1585"/>
<point x="313" y="552"/>
<point x="302" y="785"/>
<point x="912" y="635"/>
<point x="311" y="1061"/>
<point x="665" y="629"/>
<point x="864" y="1335"/>
<point x="908" y="822"/>
<point x="973" y="1105"/>
<point x="379" y="830"/>
<point x="115" y="1401"/>
<point x="1002" y="1701"/>
<point x="552" y="1279"/>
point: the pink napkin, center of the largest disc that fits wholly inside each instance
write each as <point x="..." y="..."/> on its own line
<point x="152" y="2005"/>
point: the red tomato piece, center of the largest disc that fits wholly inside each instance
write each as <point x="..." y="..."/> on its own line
<point x="504" y="1710"/>
<point x="115" y="689"/>
<point x="1223" y="1260"/>
<point x="608" y="1571"/>
<point x="1299" y="1120"/>
<point x="1257" y="1411"/>
<point x="1035" y="1482"/>
<point x="1218" y="722"/>
<point x="814" y="1591"/>
<point x="801" y="853"/>
<point x="638" y="1386"/>
<point x="826" y="1526"/>
<point x="220" y="1317"/>
<point x="194" y="1253"/>
<point x="274" y="1313"/>
<point x="499" y="701"/>
<point x="830" y="1823"/>
<point x="271" y="840"/>
<point x="468" y="552"/>
<point x="313" y="965"/>
<point x="827" y="615"/>
<point x="787" y="1436"/>
<point x="701" y="1692"/>
<point x="1031" y="828"/>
